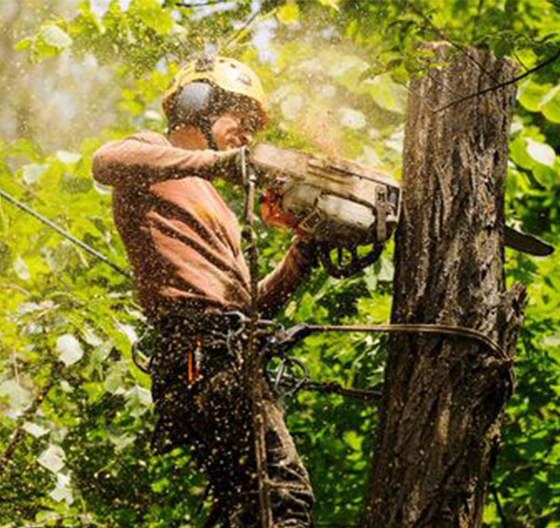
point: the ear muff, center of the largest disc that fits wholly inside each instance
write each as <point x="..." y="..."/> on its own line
<point x="197" y="104"/>
<point x="191" y="104"/>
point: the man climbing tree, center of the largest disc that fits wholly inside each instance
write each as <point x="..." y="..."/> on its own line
<point x="183" y="243"/>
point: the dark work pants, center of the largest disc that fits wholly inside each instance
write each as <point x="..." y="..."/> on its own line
<point x="214" y="417"/>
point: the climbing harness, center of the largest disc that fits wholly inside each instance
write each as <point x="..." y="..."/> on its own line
<point x="292" y="375"/>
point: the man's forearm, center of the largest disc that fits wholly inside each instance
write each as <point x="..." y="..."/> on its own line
<point x="276" y="288"/>
<point x="133" y="160"/>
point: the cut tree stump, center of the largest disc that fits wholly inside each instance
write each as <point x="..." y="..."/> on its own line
<point x="444" y="397"/>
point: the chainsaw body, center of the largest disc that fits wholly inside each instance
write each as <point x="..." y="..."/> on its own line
<point x="345" y="206"/>
<point x="339" y="202"/>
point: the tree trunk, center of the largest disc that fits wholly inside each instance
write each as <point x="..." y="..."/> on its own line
<point x="444" y="395"/>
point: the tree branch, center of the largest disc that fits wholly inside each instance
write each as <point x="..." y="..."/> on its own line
<point x="207" y="3"/>
<point x="443" y="36"/>
<point x="239" y="31"/>
<point x="502" y="85"/>
<point x="499" y="507"/>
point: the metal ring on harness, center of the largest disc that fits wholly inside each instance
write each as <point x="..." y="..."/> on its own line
<point x="281" y="377"/>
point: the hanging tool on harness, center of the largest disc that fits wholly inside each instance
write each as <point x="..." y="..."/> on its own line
<point x="292" y="375"/>
<point x="350" y="209"/>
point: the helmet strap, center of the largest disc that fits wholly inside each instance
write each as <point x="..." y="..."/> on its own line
<point x="206" y="128"/>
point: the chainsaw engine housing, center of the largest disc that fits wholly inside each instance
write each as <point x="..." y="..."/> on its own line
<point x="337" y="202"/>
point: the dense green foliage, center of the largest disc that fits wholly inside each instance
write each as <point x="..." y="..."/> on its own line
<point x="336" y="72"/>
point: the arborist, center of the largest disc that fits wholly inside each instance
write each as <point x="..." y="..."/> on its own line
<point x="184" y="245"/>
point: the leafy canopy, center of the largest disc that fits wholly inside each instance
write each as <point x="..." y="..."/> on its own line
<point x="337" y="73"/>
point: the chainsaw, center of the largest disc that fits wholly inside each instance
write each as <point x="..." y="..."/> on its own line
<point x="350" y="209"/>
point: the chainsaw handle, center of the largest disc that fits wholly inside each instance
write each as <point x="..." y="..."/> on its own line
<point x="341" y="270"/>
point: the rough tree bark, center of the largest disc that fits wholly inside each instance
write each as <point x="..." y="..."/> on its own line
<point x="444" y="396"/>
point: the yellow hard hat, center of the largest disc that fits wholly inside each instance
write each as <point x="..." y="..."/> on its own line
<point x="230" y="75"/>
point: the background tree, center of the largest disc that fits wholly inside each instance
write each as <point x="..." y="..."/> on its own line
<point x="337" y="73"/>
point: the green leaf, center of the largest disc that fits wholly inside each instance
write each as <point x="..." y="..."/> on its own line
<point x="551" y="340"/>
<point x="550" y="105"/>
<point x="21" y="269"/>
<point x="376" y="307"/>
<point x="387" y="270"/>
<point x="122" y="441"/>
<point x="68" y="157"/>
<point x="353" y="440"/>
<point x="52" y="458"/>
<point x="31" y="173"/>
<point x="540" y="152"/>
<point x="530" y="95"/>
<point x="289" y="13"/>
<point x="114" y="382"/>
<point x="154" y="16"/>
<point x="129" y="332"/>
<point x="62" y="490"/>
<point x="22" y="45"/>
<point x="55" y="37"/>
<point x="370" y="278"/>
<point x="330" y="3"/>
<point x="35" y="430"/>
<point x="351" y="118"/>
<point x="518" y="153"/>
<point x="101" y="352"/>
<point x="18" y="396"/>
<point x="387" y="94"/>
<point x="138" y="400"/>
<point x="69" y="349"/>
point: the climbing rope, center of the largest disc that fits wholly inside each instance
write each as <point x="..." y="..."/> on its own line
<point x="417" y="328"/>
<point x="64" y="233"/>
<point x="288" y="385"/>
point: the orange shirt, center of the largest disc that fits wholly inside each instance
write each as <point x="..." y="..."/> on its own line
<point x="182" y="240"/>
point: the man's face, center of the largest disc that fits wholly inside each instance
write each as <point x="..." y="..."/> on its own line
<point x="233" y="130"/>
